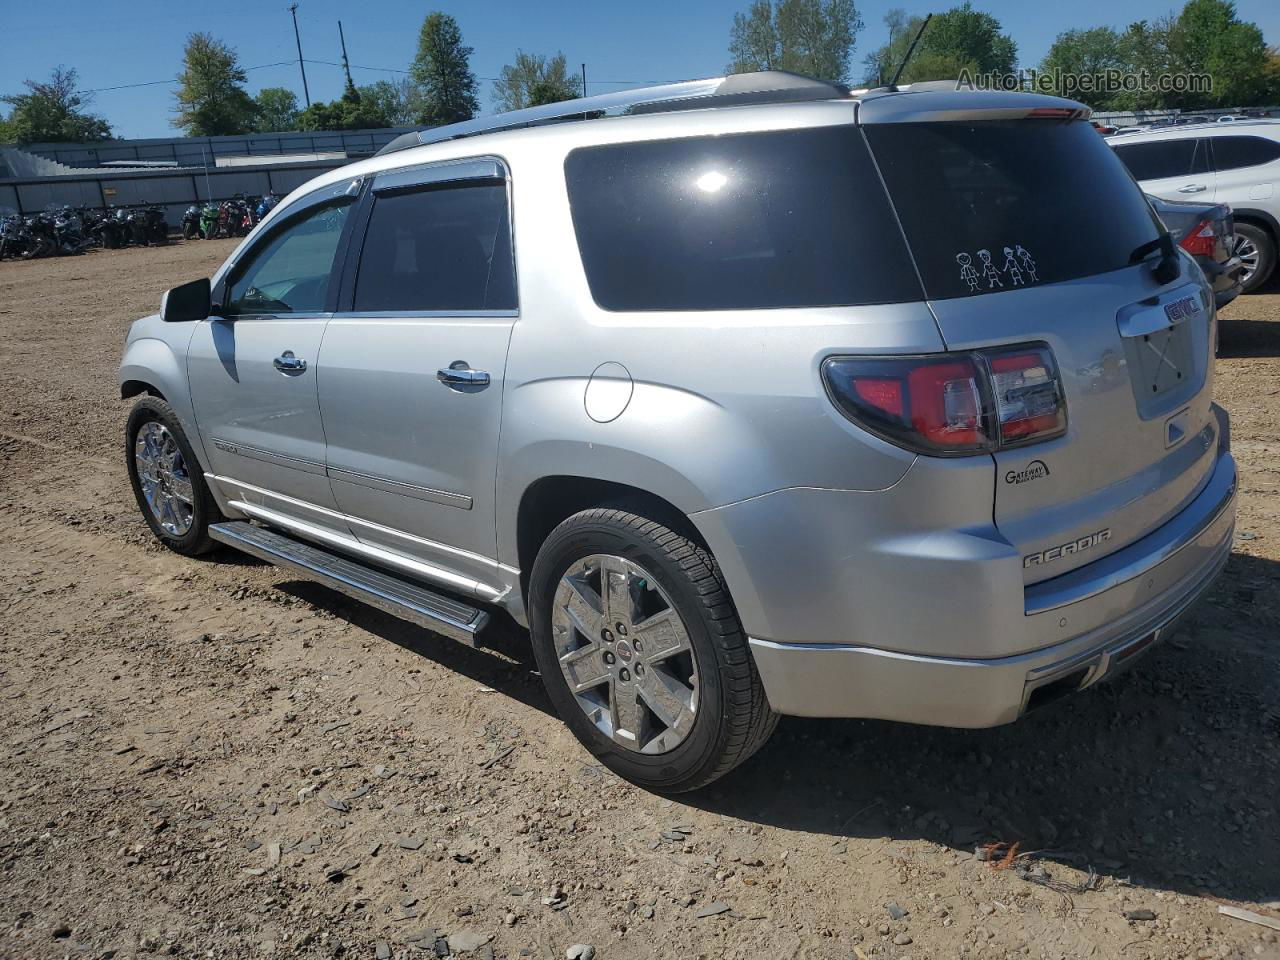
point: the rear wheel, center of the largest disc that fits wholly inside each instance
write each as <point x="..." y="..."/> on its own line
<point x="167" y="480"/>
<point x="1257" y="251"/>
<point x="642" y="653"/>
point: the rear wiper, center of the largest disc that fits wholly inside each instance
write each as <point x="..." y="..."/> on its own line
<point x="1166" y="270"/>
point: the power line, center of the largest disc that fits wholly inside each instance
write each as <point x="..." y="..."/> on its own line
<point x="358" y="66"/>
<point x="153" y="83"/>
<point x="332" y="63"/>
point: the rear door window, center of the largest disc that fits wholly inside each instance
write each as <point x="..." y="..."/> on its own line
<point x="1163" y="158"/>
<point x="438" y="249"/>
<point x="741" y="221"/>
<point x="1233" y="153"/>
<point x="993" y="205"/>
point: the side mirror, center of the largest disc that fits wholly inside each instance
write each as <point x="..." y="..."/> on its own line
<point x="191" y="301"/>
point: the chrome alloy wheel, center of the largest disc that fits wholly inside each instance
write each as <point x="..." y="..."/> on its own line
<point x="625" y="654"/>
<point x="1247" y="251"/>
<point x="162" y="474"/>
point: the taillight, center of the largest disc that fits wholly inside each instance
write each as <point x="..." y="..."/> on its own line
<point x="1200" y="240"/>
<point x="953" y="404"/>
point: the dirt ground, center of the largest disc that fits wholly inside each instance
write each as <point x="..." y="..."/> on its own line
<point x="205" y="758"/>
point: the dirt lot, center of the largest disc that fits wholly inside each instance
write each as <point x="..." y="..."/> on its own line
<point x="203" y="758"/>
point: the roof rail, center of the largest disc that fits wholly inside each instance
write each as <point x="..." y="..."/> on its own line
<point x="740" y="89"/>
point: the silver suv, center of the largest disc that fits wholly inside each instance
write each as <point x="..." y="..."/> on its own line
<point x="748" y="397"/>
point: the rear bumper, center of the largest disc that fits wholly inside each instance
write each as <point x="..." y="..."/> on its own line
<point x="1143" y="589"/>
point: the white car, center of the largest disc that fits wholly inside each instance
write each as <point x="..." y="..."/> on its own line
<point x="1236" y="164"/>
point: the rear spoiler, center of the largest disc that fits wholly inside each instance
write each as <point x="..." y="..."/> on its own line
<point x="942" y="102"/>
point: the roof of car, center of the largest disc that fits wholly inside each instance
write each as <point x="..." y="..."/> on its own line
<point x="919" y="102"/>
<point x="1213" y="128"/>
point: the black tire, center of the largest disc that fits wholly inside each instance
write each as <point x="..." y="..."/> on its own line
<point x="733" y="719"/>
<point x="195" y="540"/>
<point x="1266" y="247"/>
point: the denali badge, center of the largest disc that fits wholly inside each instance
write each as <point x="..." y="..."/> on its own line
<point x="1032" y="471"/>
<point x="1075" y="546"/>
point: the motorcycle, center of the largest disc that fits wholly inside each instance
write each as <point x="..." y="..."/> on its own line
<point x="266" y="205"/>
<point x="13" y="233"/>
<point x="107" y="231"/>
<point x="191" y="222"/>
<point x="209" y="221"/>
<point x="157" y="228"/>
<point x="42" y="237"/>
<point x="68" y="230"/>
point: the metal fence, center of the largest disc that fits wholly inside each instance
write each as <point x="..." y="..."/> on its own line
<point x="202" y="151"/>
<point x="174" y="190"/>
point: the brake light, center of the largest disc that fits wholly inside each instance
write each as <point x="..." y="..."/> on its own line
<point x="952" y="404"/>
<point x="1200" y="240"/>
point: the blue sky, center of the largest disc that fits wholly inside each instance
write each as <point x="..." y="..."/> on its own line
<point x="116" y="42"/>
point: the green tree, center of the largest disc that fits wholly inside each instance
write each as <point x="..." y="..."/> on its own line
<point x="1144" y="48"/>
<point x="442" y="73"/>
<point x="533" y="80"/>
<point x="1079" y="52"/>
<point x="1208" y="37"/>
<point x="813" y="37"/>
<point x="395" y="98"/>
<point x="956" y="40"/>
<point x="51" y="111"/>
<point x="349" y="112"/>
<point x="277" y="109"/>
<point x="211" y="99"/>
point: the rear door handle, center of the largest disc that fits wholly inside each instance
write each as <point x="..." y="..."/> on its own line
<point x="288" y="364"/>
<point x="1193" y="188"/>
<point x="460" y="374"/>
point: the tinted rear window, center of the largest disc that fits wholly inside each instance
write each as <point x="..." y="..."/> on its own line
<point x="780" y="219"/>
<point x="1233" y="153"/>
<point x="999" y="204"/>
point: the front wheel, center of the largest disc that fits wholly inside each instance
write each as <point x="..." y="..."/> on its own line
<point x="167" y="481"/>
<point x="642" y="653"/>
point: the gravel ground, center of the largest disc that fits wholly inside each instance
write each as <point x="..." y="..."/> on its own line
<point x="205" y="758"/>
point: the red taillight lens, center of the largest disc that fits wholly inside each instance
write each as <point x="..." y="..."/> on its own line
<point x="1200" y="240"/>
<point x="1028" y="395"/>
<point x="946" y="407"/>
<point x="952" y="404"/>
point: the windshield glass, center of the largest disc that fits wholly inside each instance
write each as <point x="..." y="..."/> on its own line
<point x="994" y="205"/>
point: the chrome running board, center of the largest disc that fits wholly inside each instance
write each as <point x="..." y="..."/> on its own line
<point x="387" y="592"/>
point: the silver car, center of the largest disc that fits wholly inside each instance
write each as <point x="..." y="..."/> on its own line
<point x="748" y="397"/>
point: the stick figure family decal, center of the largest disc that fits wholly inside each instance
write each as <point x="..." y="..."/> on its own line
<point x="1018" y="268"/>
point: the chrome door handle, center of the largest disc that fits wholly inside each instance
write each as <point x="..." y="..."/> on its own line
<point x="1193" y="188"/>
<point x="460" y="374"/>
<point x="287" y="363"/>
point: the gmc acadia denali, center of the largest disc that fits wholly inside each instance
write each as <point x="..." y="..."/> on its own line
<point x="749" y="396"/>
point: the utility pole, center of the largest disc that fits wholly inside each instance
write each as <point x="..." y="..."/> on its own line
<point x="584" y="79"/>
<point x="293" y="9"/>
<point x="345" y="66"/>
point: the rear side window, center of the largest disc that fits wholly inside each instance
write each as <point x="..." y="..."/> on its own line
<point x="1164" y="158"/>
<point x="440" y="249"/>
<point x="998" y="204"/>
<point x="759" y="220"/>
<point x="1232" y="153"/>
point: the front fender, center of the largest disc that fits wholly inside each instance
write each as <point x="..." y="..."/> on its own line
<point x="155" y="359"/>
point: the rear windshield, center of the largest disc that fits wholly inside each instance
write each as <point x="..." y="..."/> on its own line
<point x="778" y="219"/>
<point x="994" y="205"/>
